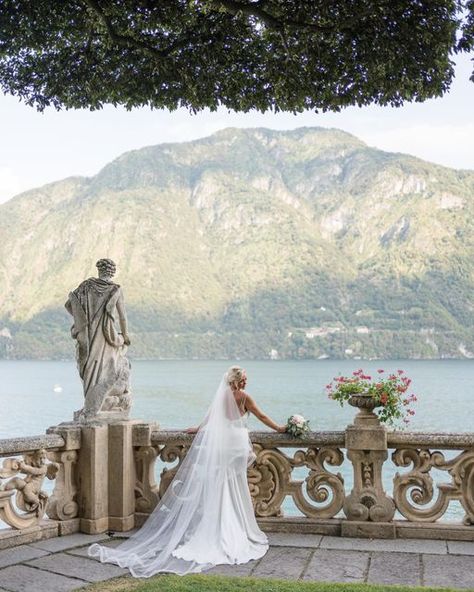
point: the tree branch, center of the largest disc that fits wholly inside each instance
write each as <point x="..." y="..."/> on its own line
<point x="253" y="9"/>
<point x="272" y="22"/>
<point x="123" y="40"/>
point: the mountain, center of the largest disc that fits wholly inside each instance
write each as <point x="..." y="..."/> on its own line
<point x="251" y="243"/>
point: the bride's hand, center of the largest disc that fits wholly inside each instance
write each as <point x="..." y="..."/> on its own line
<point x="281" y="429"/>
<point x="191" y="430"/>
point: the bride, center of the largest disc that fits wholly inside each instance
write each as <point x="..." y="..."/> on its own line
<point x="205" y="517"/>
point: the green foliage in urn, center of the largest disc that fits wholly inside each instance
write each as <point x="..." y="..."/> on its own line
<point x="388" y="392"/>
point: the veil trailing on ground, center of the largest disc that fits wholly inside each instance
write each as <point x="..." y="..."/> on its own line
<point x="205" y="516"/>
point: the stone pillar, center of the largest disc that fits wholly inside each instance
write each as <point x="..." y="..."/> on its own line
<point x="106" y="477"/>
<point x="121" y="477"/>
<point x="93" y="479"/>
<point x="366" y="444"/>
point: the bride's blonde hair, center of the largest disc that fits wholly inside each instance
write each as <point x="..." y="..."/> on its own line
<point x="234" y="375"/>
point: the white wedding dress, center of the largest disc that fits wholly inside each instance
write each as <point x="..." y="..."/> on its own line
<point x="206" y="517"/>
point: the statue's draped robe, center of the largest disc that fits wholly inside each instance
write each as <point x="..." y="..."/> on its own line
<point x="102" y="367"/>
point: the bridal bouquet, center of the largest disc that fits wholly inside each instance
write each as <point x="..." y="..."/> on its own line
<point x="297" y="426"/>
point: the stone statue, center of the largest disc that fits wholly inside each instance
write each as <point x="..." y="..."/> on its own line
<point x="29" y="495"/>
<point x="97" y="306"/>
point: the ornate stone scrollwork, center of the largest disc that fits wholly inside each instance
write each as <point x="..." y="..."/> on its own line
<point x="367" y="500"/>
<point x="30" y="498"/>
<point x="321" y="484"/>
<point x="146" y="488"/>
<point x="170" y="453"/>
<point x="415" y="489"/>
<point x="62" y="504"/>
<point x="270" y="481"/>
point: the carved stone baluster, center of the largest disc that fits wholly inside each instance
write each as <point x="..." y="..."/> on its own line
<point x="62" y="504"/>
<point x="413" y="491"/>
<point x="321" y="484"/>
<point x="366" y="443"/>
<point x="269" y="480"/>
<point x="146" y="489"/>
<point x="463" y="476"/>
<point x="170" y="453"/>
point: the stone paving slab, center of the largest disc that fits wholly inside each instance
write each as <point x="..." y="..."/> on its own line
<point x="337" y="566"/>
<point x="393" y="545"/>
<point x="68" y="541"/>
<point x="22" y="578"/>
<point x="82" y="551"/>
<point x="453" y="571"/>
<point x="90" y="570"/>
<point x="285" y="563"/>
<point x="18" y="554"/>
<point x="64" y="564"/>
<point x="460" y="548"/>
<point x="403" y="569"/>
<point x="279" y="539"/>
<point x="125" y="535"/>
<point x="244" y="569"/>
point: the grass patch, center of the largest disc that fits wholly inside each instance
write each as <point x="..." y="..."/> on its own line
<point x="202" y="583"/>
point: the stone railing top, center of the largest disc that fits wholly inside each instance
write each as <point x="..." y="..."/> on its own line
<point x="266" y="438"/>
<point x="29" y="443"/>
<point x="443" y="440"/>
<point x="395" y="439"/>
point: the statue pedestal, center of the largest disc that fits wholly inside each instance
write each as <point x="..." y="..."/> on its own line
<point x="106" y="475"/>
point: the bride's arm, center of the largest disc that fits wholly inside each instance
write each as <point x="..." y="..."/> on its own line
<point x="259" y="414"/>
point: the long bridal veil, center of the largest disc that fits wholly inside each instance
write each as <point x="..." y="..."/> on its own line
<point x="205" y="516"/>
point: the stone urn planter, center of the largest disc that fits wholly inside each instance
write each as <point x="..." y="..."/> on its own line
<point x="366" y="405"/>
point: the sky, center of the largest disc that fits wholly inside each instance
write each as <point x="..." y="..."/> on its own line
<point x="38" y="148"/>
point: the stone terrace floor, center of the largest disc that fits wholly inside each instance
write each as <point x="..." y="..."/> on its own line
<point x="60" y="564"/>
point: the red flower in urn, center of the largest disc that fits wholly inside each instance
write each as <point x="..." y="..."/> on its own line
<point x="388" y="395"/>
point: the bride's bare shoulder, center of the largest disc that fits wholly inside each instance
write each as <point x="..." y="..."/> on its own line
<point x="249" y="400"/>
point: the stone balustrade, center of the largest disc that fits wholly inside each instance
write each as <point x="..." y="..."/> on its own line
<point x="321" y="495"/>
<point x="112" y="476"/>
<point x="24" y="503"/>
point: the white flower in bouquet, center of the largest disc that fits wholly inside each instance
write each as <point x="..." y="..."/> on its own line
<point x="297" y="426"/>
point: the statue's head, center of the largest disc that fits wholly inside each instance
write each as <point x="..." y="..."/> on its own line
<point x="39" y="457"/>
<point x="106" y="268"/>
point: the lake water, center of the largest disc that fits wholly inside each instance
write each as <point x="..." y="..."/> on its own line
<point x="176" y="394"/>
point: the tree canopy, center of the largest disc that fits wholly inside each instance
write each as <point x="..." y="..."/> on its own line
<point x="242" y="54"/>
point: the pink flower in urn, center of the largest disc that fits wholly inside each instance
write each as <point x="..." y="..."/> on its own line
<point x="388" y="392"/>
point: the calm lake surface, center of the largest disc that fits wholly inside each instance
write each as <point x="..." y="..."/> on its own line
<point x="176" y="394"/>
